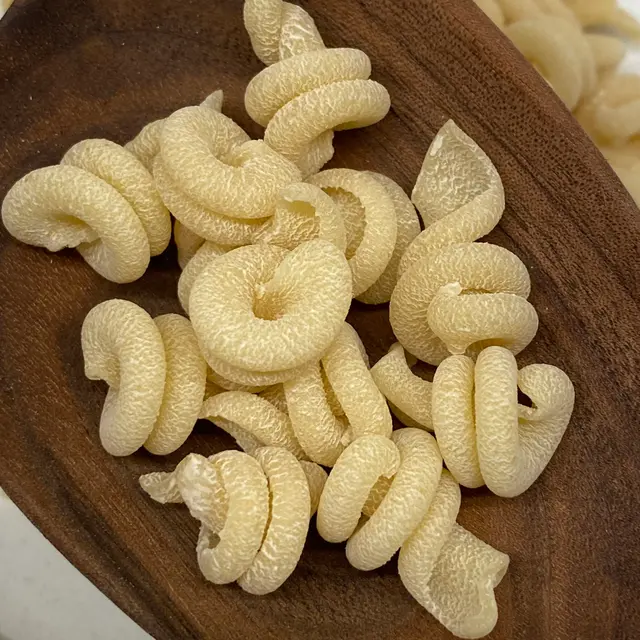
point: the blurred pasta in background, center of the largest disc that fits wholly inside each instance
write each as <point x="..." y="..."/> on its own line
<point x="577" y="46"/>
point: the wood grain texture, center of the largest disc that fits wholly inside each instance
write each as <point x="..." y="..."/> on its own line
<point x="72" y="69"/>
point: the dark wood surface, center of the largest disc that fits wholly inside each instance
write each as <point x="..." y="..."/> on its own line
<point x="72" y="69"/>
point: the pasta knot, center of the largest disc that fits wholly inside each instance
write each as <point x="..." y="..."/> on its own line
<point x="412" y="505"/>
<point x="308" y="91"/>
<point x="254" y="512"/>
<point x="155" y="372"/>
<point x="484" y="435"/>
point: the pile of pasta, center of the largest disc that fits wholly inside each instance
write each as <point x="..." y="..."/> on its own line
<point x="577" y="46"/>
<point x="273" y="250"/>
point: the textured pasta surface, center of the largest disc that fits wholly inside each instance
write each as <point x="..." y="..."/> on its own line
<point x="484" y="435"/>
<point x="308" y="91"/>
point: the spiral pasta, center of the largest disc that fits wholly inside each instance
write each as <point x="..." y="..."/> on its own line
<point x="274" y="310"/>
<point x="458" y="193"/>
<point x="308" y="91"/>
<point x="372" y="229"/>
<point x="323" y="432"/>
<point x="261" y="527"/>
<point x="146" y="145"/>
<point x="484" y="435"/>
<point x="409" y="396"/>
<point x="100" y="200"/>
<point x="465" y="297"/>
<point x="252" y="421"/>
<point x="155" y="372"/>
<point x="412" y="505"/>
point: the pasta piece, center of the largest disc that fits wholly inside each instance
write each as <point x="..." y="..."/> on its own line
<point x="449" y="571"/>
<point x="304" y="212"/>
<point x="612" y="115"/>
<point x="372" y="255"/>
<point x="277" y="397"/>
<point x="205" y="254"/>
<point x="187" y="243"/>
<point x="591" y="12"/>
<point x="492" y="280"/>
<point x="485" y="436"/>
<point x="184" y="387"/>
<point x="409" y="396"/>
<point x="458" y="193"/>
<point x="122" y="170"/>
<point x="123" y="346"/>
<point x="146" y="145"/>
<point x="262" y="309"/>
<point x="252" y="421"/>
<point x="560" y="52"/>
<point x="204" y="485"/>
<point x="608" y="52"/>
<point x="155" y="372"/>
<point x="243" y="378"/>
<point x="408" y="227"/>
<point x="229" y="385"/>
<point x="211" y="159"/>
<point x="353" y="385"/>
<point x="309" y="90"/>
<point x="412" y="504"/>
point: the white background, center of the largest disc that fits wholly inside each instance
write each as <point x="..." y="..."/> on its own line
<point x="43" y="597"/>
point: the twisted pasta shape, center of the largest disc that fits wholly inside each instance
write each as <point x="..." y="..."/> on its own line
<point x="370" y="221"/>
<point x="308" y="91"/>
<point x="252" y="421"/>
<point x="323" y="432"/>
<point x="100" y="200"/>
<point x="263" y="310"/>
<point x="409" y="396"/>
<point x="155" y="372"/>
<point x="254" y="512"/>
<point x="463" y="298"/>
<point x="412" y="505"/>
<point x="484" y="435"/>
<point x="146" y="145"/>
<point x="458" y="193"/>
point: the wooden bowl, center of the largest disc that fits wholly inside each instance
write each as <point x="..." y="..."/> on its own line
<point x="71" y="70"/>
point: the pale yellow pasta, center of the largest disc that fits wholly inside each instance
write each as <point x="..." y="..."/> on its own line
<point x="490" y="278"/>
<point x="516" y="10"/>
<point x="204" y="254"/>
<point x="229" y="385"/>
<point x="243" y="378"/>
<point x="408" y="227"/>
<point x="412" y="504"/>
<point x="485" y="436"/>
<point x="493" y="10"/>
<point x="351" y="381"/>
<point x="187" y="243"/>
<point x="263" y="309"/>
<point x="208" y="490"/>
<point x="304" y="212"/>
<point x="252" y="421"/>
<point x="309" y="91"/>
<point x="276" y="396"/>
<point x="211" y="159"/>
<point x="184" y="386"/>
<point x="146" y="145"/>
<point x="123" y="346"/>
<point x="630" y="178"/>
<point x="559" y="50"/>
<point x="591" y="12"/>
<point x="449" y="571"/>
<point x="370" y="258"/>
<point x="458" y="193"/>
<point x="608" y="51"/>
<point x="612" y="114"/>
<point x="409" y="396"/>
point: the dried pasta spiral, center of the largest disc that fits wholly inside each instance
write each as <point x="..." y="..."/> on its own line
<point x="463" y="298"/>
<point x="308" y="91"/>
<point x="254" y="512"/>
<point x="265" y="311"/>
<point x="100" y="200"/>
<point x="458" y="193"/>
<point x="412" y="504"/>
<point x="155" y="372"/>
<point x="324" y="430"/>
<point x="484" y="435"/>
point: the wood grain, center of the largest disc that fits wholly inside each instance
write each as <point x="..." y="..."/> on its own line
<point x="72" y="69"/>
